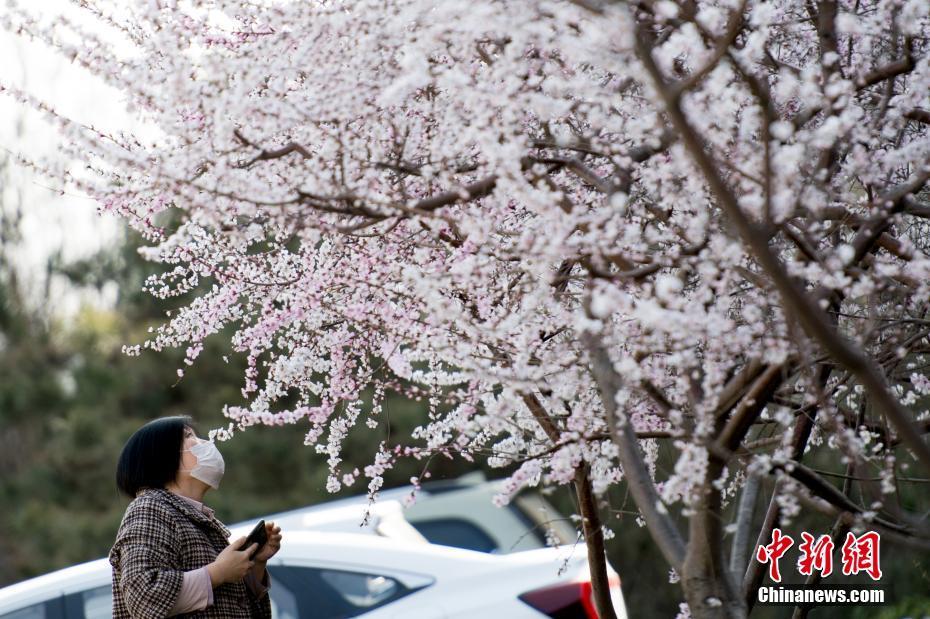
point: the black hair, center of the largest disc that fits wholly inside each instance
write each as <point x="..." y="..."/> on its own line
<point x="152" y="455"/>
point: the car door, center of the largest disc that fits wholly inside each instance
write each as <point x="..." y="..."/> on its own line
<point x="48" y="609"/>
<point x="297" y="592"/>
<point x="92" y="603"/>
<point x="327" y="592"/>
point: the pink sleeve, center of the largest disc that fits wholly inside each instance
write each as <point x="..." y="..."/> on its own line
<point x="196" y="592"/>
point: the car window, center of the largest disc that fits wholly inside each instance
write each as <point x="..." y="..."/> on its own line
<point x="540" y="516"/>
<point x="97" y="603"/>
<point x="330" y="594"/>
<point x="283" y="602"/>
<point x="455" y="532"/>
<point x="296" y="592"/>
<point x="36" y="611"/>
<point x="362" y="590"/>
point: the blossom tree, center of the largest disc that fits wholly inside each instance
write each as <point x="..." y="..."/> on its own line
<point x="589" y="234"/>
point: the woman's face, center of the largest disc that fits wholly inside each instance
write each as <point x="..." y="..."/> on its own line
<point x="188" y="460"/>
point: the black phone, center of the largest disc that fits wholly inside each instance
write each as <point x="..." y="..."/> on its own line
<point x="258" y="535"/>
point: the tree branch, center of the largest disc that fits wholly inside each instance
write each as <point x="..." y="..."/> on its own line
<point x="811" y="317"/>
<point x="642" y="488"/>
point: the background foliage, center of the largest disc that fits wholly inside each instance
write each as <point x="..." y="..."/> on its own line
<point x="69" y="399"/>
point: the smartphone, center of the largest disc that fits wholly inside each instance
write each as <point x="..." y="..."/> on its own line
<point x="258" y="535"/>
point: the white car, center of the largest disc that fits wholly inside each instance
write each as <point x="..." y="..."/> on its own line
<point x="329" y="575"/>
<point x="458" y="512"/>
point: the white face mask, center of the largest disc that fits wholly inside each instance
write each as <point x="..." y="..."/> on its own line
<point x="210" y="465"/>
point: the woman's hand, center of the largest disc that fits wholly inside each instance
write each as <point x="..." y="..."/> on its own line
<point x="272" y="546"/>
<point x="232" y="564"/>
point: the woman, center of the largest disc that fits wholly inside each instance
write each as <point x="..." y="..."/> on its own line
<point x="171" y="555"/>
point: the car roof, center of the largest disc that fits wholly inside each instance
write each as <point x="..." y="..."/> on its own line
<point x="426" y="491"/>
<point x="376" y="552"/>
<point x="54" y="584"/>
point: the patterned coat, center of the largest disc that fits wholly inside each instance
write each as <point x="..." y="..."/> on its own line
<point x="162" y="536"/>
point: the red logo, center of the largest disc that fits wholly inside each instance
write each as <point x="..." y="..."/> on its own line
<point x="771" y="553"/>
<point x="860" y="554"/>
<point x="816" y="555"/>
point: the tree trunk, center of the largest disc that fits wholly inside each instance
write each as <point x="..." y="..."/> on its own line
<point x="708" y="584"/>
<point x="594" y="539"/>
<point x="591" y="520"/>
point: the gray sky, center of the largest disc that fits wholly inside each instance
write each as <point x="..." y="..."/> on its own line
<point x="52" y="222"/>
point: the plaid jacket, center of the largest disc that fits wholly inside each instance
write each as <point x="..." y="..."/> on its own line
<point x="162" y="536"/>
